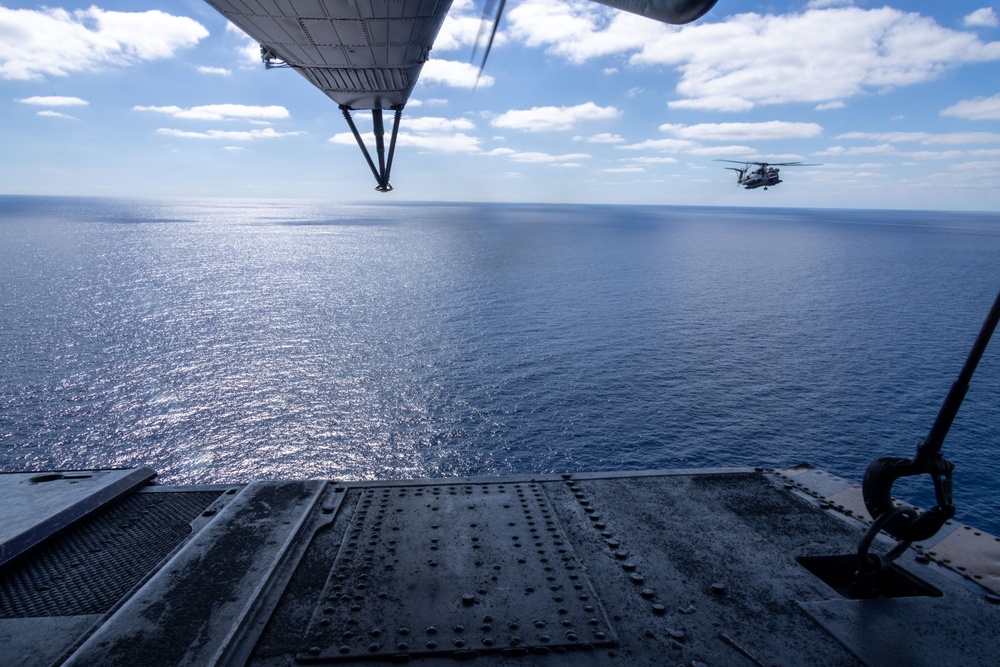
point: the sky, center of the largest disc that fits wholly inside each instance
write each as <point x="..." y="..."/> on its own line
<point x="898" y="104"/>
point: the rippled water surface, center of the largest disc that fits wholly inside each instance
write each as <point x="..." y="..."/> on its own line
<point x="228" y="340"/>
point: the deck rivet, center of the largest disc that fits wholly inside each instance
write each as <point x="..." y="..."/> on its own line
<point x="647" y="593"/>
<point x="637" y="578"/>
<point x="659" y="609"/>
<point x="719" y="588"/>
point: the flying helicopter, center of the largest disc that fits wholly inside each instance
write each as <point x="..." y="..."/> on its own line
<point x="765" y="175"/>
<point x="367" y="54"/>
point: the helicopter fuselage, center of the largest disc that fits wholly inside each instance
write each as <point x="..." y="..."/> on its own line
<point x="763" y="177"/>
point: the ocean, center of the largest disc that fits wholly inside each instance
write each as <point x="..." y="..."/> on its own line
<point x="229" y="340"/>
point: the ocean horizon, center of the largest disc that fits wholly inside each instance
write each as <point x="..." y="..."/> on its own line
<point x="227" y="340"/>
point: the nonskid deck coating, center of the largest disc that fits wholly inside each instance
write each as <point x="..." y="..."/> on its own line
<point x="651" y="568"/>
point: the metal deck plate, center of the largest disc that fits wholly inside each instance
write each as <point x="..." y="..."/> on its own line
<point x="454" y="570"/>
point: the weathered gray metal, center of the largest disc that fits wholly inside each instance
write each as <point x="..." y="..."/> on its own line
<point x="650" y="568"/>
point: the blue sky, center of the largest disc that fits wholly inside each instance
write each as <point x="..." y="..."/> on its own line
<point x="579" y="103"/>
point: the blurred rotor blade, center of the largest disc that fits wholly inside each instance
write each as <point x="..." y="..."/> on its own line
<point x="492" y="11"/>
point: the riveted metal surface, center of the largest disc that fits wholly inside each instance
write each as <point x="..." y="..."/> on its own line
<point x="972" y="553"/>
<point x="455" y="570"/>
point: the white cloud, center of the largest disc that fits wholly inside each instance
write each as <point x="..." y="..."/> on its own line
<point x="883" y="149"/>
<point x="54" y="101"/>
<point x="979" y="108"/>
<point x="982" y="18"/>
<point x="774" y="129"/>
<point x="601" y="138"/>
<point x="56" y="114"/>
<point x="444" y="143"/>
<point x="454" y="73"/>
<point x="817" y="56"/>
<point x="662" y="145"/>
<point x="927" y="138"/>
<point x="823" y="55"/>
<point x="827" y="106"/>
<point x="461" y="27"/>
<point x="547" y="119"/>
<point x="722" y="150"/>
<point x="219" y="71"/>
<point x="538" y="157"/>
<point x="245" y="135"/>
<point x="57" y="42"/>
<point x="579" y="31"/>
<point x="249" y="49"/>
<point x="214" y="112"/>
<point x="445" y="135"/>
<point x="653" y="160"/>
<point x="433" y="101"/>
<point x="429" y="124"/>
<point x="625" y="170"/>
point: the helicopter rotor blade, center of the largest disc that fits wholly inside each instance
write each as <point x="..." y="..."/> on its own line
<point x="492" y="11"/>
